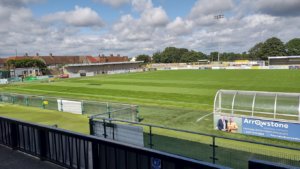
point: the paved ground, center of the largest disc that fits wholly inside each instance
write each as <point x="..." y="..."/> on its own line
<point x="10" y="159"/>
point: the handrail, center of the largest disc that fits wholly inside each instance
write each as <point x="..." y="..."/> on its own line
<point x="96" y="142"/>
<point x="197" y="133"/>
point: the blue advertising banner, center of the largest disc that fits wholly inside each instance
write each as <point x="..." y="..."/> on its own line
<point x="271" y="129"/>
<point x="258" y="127"/>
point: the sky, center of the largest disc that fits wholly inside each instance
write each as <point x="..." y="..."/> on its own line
<point x="133" y="27"/>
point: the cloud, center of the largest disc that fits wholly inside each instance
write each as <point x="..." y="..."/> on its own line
<point x="278" y="7"/>
<point x="141" y="5"/>
<point x="203" y="11"/>
<point x="17" y="3"/>
<point x="155" y="17"/>
<point x="146" y="30"/>
<point x="80" y="17"/>
<point x="151" y="21"/>
<point x="114" y="3"/>
<point x="180" y="26"/>
<point x="210" y="7"/>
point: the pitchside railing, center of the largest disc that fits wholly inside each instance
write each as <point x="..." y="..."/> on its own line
<point x="215" y="149"/>
<point x="106" y="109"/>
<point x="73" y="150"/>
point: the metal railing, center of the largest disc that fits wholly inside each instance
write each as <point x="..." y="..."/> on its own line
<point x="73" y="150"/>
<point x="211" y="148"/>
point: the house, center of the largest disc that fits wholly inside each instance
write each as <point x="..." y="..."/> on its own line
<point x="18" y="72"/>
<point x="57" y="61"/>
<point x="2" y="63"/>
<point x="92" y="59"/>
<point x="112" y="58"/>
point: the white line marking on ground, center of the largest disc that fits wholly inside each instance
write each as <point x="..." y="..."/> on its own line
<point x="203" y="117"/>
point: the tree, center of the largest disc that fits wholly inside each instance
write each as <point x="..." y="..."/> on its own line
<point x="256" y="51"/>
<point x="192" y="56"/>
<point x="156" y="57"/>
<point x="272" y="47"/>
<point x="293" y="47"/>
<point x="169" y="55"/>
<point x="172" y="54"/>
<point x="144" y="58"/>
<point x="26" y="63"/>
<point x="213" y="56"/>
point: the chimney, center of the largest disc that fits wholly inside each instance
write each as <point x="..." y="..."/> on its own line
<point x="37" y="54"/>
<point x="50" y="54"/>
<point x="26" y="54"/>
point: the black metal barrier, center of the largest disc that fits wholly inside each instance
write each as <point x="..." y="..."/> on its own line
<point x="74" y="150"/>
<point x="254" y="164"/>
<point x="221" y="150"/>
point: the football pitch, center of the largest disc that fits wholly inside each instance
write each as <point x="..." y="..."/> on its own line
<point x="168" y="98"/>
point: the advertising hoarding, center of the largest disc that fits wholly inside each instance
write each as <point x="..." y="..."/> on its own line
<point x="258" y="127"/>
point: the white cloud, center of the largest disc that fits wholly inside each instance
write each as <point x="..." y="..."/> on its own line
<point x="114" y="3"/>
<point x="80" y="16"/>
<point x="151" y="21"/>
<point x="211" y="7"/>
<point x="155" y="17"/>
<point x="180" y="26"/>
<point x="141" y="5"/>
<point x="258" y="20"/>
<point x="146" y="30"/>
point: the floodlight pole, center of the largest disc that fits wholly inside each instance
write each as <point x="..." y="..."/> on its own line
<point x="218" y="17"/>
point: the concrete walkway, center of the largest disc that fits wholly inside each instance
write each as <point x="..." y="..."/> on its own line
<point x="10" y="159"/>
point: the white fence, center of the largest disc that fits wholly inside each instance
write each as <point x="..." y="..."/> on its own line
<point x="74" y="107"/>
<point x="3" y="81"/>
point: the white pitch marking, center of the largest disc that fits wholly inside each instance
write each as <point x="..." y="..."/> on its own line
<point x="203" y="117"/>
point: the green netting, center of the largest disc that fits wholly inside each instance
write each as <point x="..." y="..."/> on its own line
<point x="108" y="110"/>
<point x="31" y="78"/>
<point x="50" y="103"/>
<point x="20" y="100"/>
<point x="129" y="114"/>
<point x="35" y="101"/>
<point x="7" y="98"/>
<point x="14" y="79"/>
<point x="117" y="106"/>
<point x="93" y="108"/>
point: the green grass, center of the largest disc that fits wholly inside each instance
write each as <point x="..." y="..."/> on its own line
<point x="66" y="121"/>
<point x="169" y="98"/>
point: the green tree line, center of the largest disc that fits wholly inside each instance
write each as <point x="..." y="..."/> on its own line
<point x="26" y="63"/>
<point x="260" y="51"/>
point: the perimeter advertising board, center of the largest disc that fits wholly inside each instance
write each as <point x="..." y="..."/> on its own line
<point x="258" y="127"/>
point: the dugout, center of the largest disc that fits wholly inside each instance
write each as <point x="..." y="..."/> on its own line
<point x="284" y="60"/>
<point x="274" y="105"/>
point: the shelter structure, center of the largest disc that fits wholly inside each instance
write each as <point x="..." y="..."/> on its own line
<point x="271" y="105"/>
<point x="284" y="60"/>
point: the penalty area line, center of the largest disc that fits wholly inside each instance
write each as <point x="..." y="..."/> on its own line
<point x="203" y="117"/>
